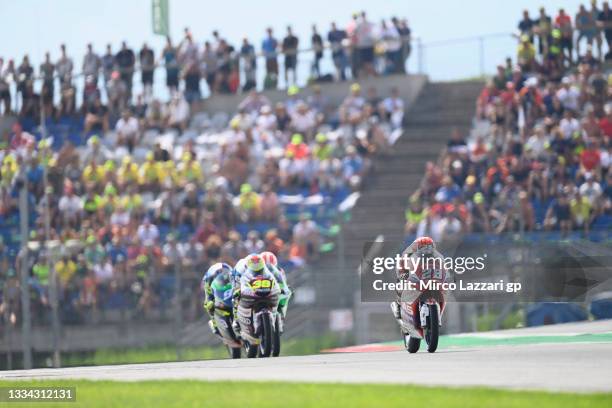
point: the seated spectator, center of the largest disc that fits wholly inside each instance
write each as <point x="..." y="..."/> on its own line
<point x="306" y="237"/>
<point x="128" y="130"/>
<point x="249" y="203"/>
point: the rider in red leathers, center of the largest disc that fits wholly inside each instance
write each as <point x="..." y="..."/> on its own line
<point x="420" y="251"/>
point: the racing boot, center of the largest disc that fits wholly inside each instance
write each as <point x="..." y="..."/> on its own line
<point x="397" y="311"/>
<point x="213" y="327"/>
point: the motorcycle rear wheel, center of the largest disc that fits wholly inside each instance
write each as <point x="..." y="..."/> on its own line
<point x="276" y="344"/>
<point x="265" y="343"/>
<point x="432" y="331"/>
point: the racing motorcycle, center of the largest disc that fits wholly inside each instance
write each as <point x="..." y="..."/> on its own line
<point x="223" y="315"/>
<point x="421" y="318"/>
<point x="257" y="313"/>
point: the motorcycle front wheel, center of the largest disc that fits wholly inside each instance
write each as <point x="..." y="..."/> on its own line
<point x="265" y="343"/>
<point x="432" y="331"/>
<point x="276" y="344"/>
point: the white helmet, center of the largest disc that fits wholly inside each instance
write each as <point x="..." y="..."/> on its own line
<point x="422" y="246"/>
<point x="241" y="266"/>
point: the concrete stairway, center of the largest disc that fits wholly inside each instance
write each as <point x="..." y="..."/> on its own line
<point x="380" y="210"/>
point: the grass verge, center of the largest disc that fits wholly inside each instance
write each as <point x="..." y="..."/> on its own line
<point x="170" y="394"/>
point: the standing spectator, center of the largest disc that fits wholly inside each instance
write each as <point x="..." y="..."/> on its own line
<point x="586" y="25"/>
<point x="543" y="27"/>
<point x="5" y="90"/>
<point x="290" y="50"/>
<point x="317" y="47"/>
<point x="249" y="65"/>
<point x="25" y="72"/>
<point x="564" y="23"/>
<point x="336" y="37"/>
<point x="91" y="65"/>
<point x="597" y="29"/>
<point x="47" y="71"/>
<point x="192" y="82"/>
<point x="604" y="21"/>
<point x="108" y="64"/>
<point x="126" y="61"/>
<point x="393" y="45"/>
<point x="405" y="38"/>
<point x="210" y="63"/>
<point x="147" y="68"/>
<point x="64" y="67"/>
<point x="170" y="57"/>
<point x="269" y="46"/>
<point x="525" y="26"/>
<point x="365" y="40"/>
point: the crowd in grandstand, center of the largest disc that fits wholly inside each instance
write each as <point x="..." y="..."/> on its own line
<point x="360" y="49"/>
<point x="136" y="202"/>
<point x="539" y="155"/>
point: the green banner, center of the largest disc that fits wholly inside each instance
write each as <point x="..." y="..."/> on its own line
<point x="161" y="24"/>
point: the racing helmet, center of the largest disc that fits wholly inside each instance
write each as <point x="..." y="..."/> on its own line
<point x="269" y="258"/>
<point x="241" y="266"/>
<point x="255" y="263"/>
<point x="422" y="246"/>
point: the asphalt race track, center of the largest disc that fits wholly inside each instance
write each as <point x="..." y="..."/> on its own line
<point x="572" y="366"/>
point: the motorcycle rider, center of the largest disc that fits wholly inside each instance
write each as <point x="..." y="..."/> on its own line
<point x="254" y="266"/>
<point x="422" y="247"/>
<point x="272" y="265"/>
<point x="213" y="272"/>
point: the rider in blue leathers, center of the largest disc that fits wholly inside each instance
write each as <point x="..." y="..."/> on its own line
<point x="209" y="299"/>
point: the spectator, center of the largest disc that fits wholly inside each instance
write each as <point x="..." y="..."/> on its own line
<point x="364" y="41"/>
<point x="526" y="26"/>
<point x="336" y="38"/>
<point x="290" y="51"/>
<point x="128" y="130"/>
<point x="306" y="237"/>
<point x="543" y="28"/>
<point x="268" y="47"/>
<point x="5" y="91"/>
<point x="64" y="67"/>
<point x="147" y="69"/>
<point x="108" y="65"/>
<point x="586" y="25"/>
<point x="249" y="65"/>
<point x="91" y="65"/>
<point x="604" y="22"/>
<point x="392" y="43"/>
<point x="564" y="23"/>
<point x="170" y="58"/>
<point x="126" y="61"/>
<point x="317" y="46"/>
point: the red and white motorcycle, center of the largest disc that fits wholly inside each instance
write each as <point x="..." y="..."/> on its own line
<point x="421" y="315"/>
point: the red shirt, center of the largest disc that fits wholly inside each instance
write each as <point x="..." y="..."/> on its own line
<point x="590" y="158"/>
<point x="606" y="126"/>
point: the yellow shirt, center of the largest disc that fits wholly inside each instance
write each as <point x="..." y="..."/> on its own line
<point x="65" y="270"/>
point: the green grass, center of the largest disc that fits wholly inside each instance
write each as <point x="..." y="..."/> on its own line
<point x="184" y="394"/>
<point x="157" y="354"/>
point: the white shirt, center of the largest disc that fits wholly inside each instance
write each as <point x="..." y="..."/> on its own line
<point x="103" y="272"/>
<point x="148" y="236"/>
<point x="569" y="126"/>
<point x="569" y="97"/>
<point x="70" y="205"/>
<point x="127" y="127"/>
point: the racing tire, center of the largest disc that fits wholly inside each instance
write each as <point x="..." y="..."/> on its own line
<point x="265" y="338"/>
<point x="234" y="352"/>
<point x="251" y="351"/>
<point x="432" y="331"/>
<point x="412" y="344"/>
<point x="276" y="344"/>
